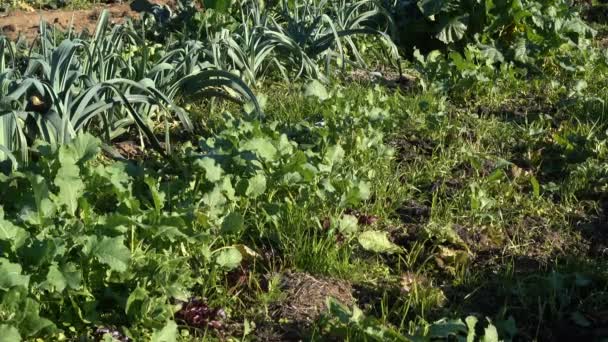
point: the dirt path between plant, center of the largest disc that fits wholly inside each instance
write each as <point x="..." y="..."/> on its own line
<point x="17" y="24"/>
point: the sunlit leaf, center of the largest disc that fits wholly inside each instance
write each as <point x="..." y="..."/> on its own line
<point x="229" y="258"/>
<point x="112" y="252"/>
<point x="377" y="241"/>
<point x="71" y="187"/>
<point x="10" y="275"/>
<point x="262" y="147"/>
<point x="452" y="30"/>
<point x="213" y="172"/>
<point x="316" y="89"/>
<point x="167" y="334"/>
<point x="9" y="333"/>
<point x="256" y="185"/>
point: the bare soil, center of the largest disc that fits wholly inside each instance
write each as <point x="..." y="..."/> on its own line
<point x="304" y="302"/>
<point x="16" y="24"/>
<point x="306" y="296"/>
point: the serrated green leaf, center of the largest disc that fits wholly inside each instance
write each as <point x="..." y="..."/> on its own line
<point x="262" y="147"/>
<point x="44" y="205"/>
<point x="490" y="53"/>
<point x="55" y="279"/>
<point x="67" y="155"/>
<point x="229" y="258"/>
<point x="72" y="275"/>
<point x="338" y="310"/>
<point x="334" y="155"/>
<point x="227" y="189"/>
<point x="9" y="232"/>
<point x="357" y="316"/>
<point x="116" y="176"/>
<point x="80" y="150"/>
<point x="86" y="147"/>
<point x="112" y="252"/>
<point x="316" y="89"/>
<point x="71" y="187"/>
<point x="32" y="323"/>
<point x="521" y="51"/>
<point x="214" y="198"/>
<point x="158" y="197"/>
<point x="361" y="191"/>
<point x="285" y="145"/>
<point x="10" y="275"/>
<point x="9" y="333"/>
<point x="136" y="298"/>
<point x="167" y="334"/>
<point x="66" y="276"/>
<point x="377" y="241"/>
<point x="580" y="86"/>
<point x="213" y="172"/>
<point x="256" y="186"/>
<point x="452" y="30"/>
<point x="348" y="225"/>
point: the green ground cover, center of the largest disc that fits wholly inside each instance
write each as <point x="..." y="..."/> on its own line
<point x="239" y="174"/>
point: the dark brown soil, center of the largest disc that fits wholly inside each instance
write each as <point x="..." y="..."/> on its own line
<point x="595" y="231"/>
<point x="411" y="148"/>
<point x="387" y="78"/>
<point x="596" y="14"/>
<point x="520" y="108"/>
<point x="129" y="149"/>
<point x="414" y="212"/>
<point x="305" y="298"/>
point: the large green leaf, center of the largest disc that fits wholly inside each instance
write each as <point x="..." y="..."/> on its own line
<point x="31" y="323"/>
<point x="66" y="276"/>
<point x="229" y="258"/>
<point x="316" y="89"/>
<point x="10" y="275"/>
<point x="14" y="235"/>
<point x="167" y="334"/>
<point x="213" y="172"/>
<point x="348" y="225"/>
<point x="256" y="186"/>
<point x="44" y="205"/>
<point x="360" y="191"/>
<point x="55" y="279"/>
<point x="262" y="147"/>
<point x="376" y="241"/>
<point x="9" y="333"/>
<point x="85" y="147"/>
<point x="71" y="187"/>
<point x="334" y="155"/>
<point x="452" y="30"/>
<point x="112" y="252"/>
